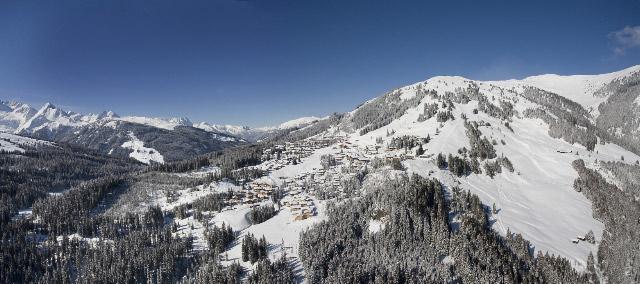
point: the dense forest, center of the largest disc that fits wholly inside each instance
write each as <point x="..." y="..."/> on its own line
<point x="619" y="210"/>
<point x="382" y="110"/>
<point x="38" y="172"/>
<point x="425" y="238"/>
<point x="619" y="116"/>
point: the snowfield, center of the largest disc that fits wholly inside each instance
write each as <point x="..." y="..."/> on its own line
<point x="537" y="200"/>
<point x="582" y="89"/>
<point x="140" y="152"/>
<point x="11" y="142"/>
<point x="281" y="232"/>
<point x="169" y="124"/>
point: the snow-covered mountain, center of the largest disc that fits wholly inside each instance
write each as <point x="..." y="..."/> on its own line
<point x="20" y="118"/>
<point x="101" y="131"/>
<point x="169" y="124"/>
<point x="541" y="124"/>
<point x="15" y="143"/>
<point x="49" y="118"/>
<point x="255" y="134"/>
<point x="14" y="114"/>
<point x="142" y="138"/>
<point x="587" y="90"/>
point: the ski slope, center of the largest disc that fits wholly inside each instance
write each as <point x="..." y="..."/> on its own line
<point x="537" y="200"/>
<point x="140" y="152"/>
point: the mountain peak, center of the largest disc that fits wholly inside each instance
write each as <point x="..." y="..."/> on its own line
<point x="48" y="105"/>
<point x="107" y="114"/>
<point x="181" y="121"/>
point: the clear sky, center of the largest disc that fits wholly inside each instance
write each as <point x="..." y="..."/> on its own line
<point x="262" y="62"/>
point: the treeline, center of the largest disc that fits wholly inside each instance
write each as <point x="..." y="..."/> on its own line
<point x="132" y="248"/>
<point x="209" y="203"/>
<point x="306" y="132"/>
<point x="619" y="115"/>
<point x="68" y="213"/>
<point x="262" y="213"/>
<point x="457" y="165"/>
<point x="382" y="110"/>
<point x="32" y="175"/>
<point x="627" y="175"/>
<point x="253" y="249"/>
<point x="209" y="270"/>
<point x="443" y="116"/>
<point x="619" y="210"/>
<point x="181" y="166"/>
<point x="480" y="146"/>
<point x="564" y="129"/>
<point x="219" y="238"/>
<point x="420" y="242"/>
<point x="408" y="142"/>
<point x="230" y="162"/>
<point x="429" y="111"/>
<point x="266" y="272"/>
<point x="505" y="111"/>
<point x="566" y="119"/>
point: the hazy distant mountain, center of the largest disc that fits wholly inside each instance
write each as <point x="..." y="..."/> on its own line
<point x="173" y="138"/>
<point x="14" y="114"/>
<point x="155" y="139"/>
<point x="255" y="134"/>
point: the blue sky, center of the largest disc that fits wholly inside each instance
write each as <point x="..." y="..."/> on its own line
<point x="262" y="62"/>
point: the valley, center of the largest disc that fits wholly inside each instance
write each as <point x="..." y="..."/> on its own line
<point x="445" y="180"/>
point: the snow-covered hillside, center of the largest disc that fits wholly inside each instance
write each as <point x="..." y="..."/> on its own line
<point x="14" y="114"/>
<point x="583" y="89"/>
<point x="175" y="138"/>
<point x="537" y="199"/>
<point x="168" y="124"/>
<point x="140" y="152"/>
<point x="50" y="120"/>
<point x="255" y="134"/>
<point x="14" y="143"/>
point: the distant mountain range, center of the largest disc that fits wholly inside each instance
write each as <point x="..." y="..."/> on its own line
<point x="165" y="139"/>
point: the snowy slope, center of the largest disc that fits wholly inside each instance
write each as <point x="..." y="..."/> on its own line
<point x="142" y="153"/>
<point x="168" y="124"/>
<point x="15" y="143"/>
<point x="582" y="89"/>
<point x="50" y="117"/>
<point x="255" y="134"/>
<point x="538" y="199"/>
<point x="14" y="114"/>
<point x="49" y="121"/>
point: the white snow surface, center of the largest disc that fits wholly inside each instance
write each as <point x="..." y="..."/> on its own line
<point x="169" y="124"/>
<point x="538" y="199"/>
<point x="578" y="88"/>
<point x="13" y="114"/>
<point x="140" y="152"/>
<point x="298" y="122"/>
<point x="50" y="117"/>
<point x="279" y="230"/>
<point x="12" y="143"/>
<point x="253" y="134"/>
